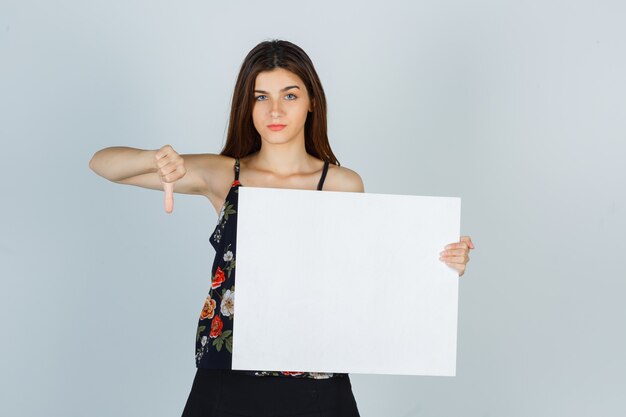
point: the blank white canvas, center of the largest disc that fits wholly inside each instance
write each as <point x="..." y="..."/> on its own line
<point x="345" y="282"/>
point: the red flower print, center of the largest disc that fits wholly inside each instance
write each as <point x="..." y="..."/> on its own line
<point x="209" y="309"/>
<point x="218" y="278"/>
<point x="235" y="183"/>
<point x="292" y="373"/>
<point x="216" y="327"/>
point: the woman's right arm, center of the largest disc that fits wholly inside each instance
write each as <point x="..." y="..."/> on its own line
<point x="150" y="168"/>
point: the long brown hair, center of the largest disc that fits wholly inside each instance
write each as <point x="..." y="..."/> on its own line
<point x="242" y="138"/>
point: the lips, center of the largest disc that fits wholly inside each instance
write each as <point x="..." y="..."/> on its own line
<point x="276" y="127"/>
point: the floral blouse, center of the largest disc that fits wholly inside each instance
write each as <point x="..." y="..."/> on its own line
<point x="214" y="337"/>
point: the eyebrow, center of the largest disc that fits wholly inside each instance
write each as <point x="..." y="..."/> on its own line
<point x="284" y="89"/>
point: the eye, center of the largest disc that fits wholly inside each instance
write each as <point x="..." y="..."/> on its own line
<point x="293" y="96"/>
<point x="258" y="98"/>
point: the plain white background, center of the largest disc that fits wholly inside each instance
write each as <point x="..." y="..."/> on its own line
<point x="101" y="290"/>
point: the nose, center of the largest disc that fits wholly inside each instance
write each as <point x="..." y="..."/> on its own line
<point x="276" y="109"/>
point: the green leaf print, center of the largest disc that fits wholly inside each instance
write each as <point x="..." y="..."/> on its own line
<point x="200" y="330"/>
<point x="228" y="210"/>
<point x="230" y="267"/>
<point x="229" y="344"/>
<point x="218" y="343"/>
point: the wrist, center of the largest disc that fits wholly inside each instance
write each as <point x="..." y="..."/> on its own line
<point x="151" y="164"/>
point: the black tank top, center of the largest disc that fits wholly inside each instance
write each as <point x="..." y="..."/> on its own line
<point x="214" y="337"/>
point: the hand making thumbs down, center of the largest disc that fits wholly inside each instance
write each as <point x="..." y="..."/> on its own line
<point x="170" y="168"/>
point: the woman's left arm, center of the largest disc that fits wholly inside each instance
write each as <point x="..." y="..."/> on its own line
<point x="456" y="255"/>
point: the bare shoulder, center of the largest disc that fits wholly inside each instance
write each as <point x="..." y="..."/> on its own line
<point x="218" y="164"/>
<point x="219" y="173"/>
<point x="343" y="179"/>
<point x="213" y="163"/>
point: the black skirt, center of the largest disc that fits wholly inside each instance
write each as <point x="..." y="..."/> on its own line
<point x="225" y="393"/>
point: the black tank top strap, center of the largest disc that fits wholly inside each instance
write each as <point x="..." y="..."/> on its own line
<point x="236" y="169"/>
<point x="321" y="183"/>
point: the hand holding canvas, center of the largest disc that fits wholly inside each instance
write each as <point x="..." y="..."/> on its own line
<point x="456" y="255"/>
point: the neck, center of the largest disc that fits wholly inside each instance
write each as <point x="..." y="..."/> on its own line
<point x="283" y="159"/>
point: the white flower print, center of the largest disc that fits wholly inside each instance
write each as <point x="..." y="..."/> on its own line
<point x="228" y="256"/>
<point x="222" y="213"/>
<point x="228" y="303"/>
<point x="320" y="375"/>
<point x="204" y="340"/>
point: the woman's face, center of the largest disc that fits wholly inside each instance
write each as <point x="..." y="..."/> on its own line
<point x="281" y="106"/>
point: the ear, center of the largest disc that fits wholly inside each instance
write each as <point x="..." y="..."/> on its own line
<point x="312" y="105"/>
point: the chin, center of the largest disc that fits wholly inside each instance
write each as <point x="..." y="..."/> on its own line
<point x="276" y="138"/>
<point x="275" y="141"/>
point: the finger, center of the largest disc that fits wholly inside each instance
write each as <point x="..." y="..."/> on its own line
<point x="453" y="259"/>
<point x="166" y="164"/>
<point x="468" y="240"/>
<point x="163" y="158"/>
<point x="165" y="149"/>
<point x="449" y="252"/>
<point x="168" y="187"/>
<point x="161" y="162"/>
<point x="161" y="154"/>
<point x="457" y="245"/>
<point x="169" y="174"/>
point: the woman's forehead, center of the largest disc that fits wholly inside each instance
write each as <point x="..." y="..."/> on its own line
<point x="276" y="80"/>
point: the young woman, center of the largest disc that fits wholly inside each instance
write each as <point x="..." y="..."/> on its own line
<point x="276" y="138"/>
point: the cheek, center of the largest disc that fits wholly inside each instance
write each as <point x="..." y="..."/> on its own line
<point x="257" y="117"/>
<point x="305" y="114"/>
<point x="302" y="110"/>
